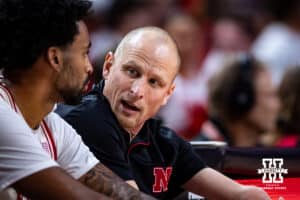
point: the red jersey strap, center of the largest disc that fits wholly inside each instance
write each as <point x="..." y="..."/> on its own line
<point x="50" y="139"/>
<point x="21" y="197"/>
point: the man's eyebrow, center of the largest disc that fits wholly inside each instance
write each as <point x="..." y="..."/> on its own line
<point x="131" y="63"/>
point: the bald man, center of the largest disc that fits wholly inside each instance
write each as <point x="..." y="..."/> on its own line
<point x="115" y="122"/>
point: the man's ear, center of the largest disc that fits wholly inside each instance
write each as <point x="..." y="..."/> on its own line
<point x="54" y="56"/>
<point x="108" y="62"/>
<point x="169" y="93"/>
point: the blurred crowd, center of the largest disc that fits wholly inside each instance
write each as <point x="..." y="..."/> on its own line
<point x="238" y="81"/>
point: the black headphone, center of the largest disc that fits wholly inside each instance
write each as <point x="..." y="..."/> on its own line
<point x="241" y="91"/>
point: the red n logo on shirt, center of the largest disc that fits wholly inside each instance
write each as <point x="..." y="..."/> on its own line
<point x="161" y="179"/>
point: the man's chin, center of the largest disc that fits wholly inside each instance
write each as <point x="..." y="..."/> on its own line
<point x="130" y="125"/>
<point x="126" y="123"/>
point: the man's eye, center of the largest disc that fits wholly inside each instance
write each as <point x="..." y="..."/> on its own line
<point x="153" y="82"/>
<point x="132" y="72"/>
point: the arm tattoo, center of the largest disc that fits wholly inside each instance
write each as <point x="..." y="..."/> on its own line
<point x="103" y="180"/>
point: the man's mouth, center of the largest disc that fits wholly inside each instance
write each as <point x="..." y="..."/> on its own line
<point x="129" y="106"/>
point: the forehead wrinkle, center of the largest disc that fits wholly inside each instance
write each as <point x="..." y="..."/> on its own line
<point x="144" y="63"/>
<point x="137" y="55"/>
<point x="144" y="59"/>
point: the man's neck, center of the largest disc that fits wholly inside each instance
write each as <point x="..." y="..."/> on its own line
<point x="33" y="101"/>
<point x="133" y="131"/>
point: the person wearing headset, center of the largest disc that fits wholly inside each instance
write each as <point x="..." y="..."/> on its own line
<point x="243" y="103"/>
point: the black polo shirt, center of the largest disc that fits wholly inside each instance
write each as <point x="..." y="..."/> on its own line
<point x="157" y="159"/>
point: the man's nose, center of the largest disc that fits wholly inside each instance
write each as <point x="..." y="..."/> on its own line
<point x="89" y="67"/>
<point x="138" y="88"/>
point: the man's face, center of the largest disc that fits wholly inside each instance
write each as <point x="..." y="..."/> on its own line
<point x="265" y="111"/>
<point x="73" y="78"/>
<point x="139" y="81"/>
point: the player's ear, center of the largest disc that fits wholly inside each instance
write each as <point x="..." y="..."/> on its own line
<point x="55" y="58"/>
<point x="108" y="62"/>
